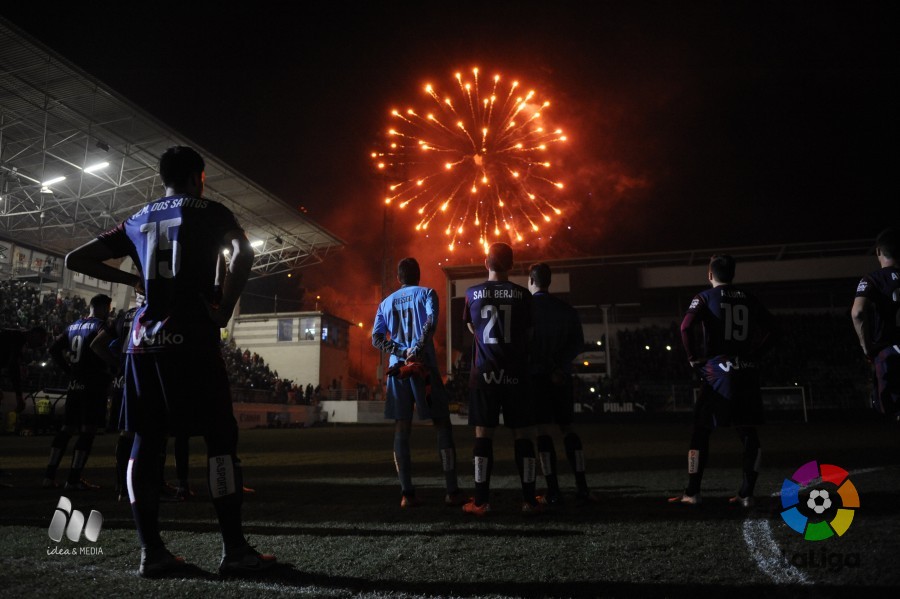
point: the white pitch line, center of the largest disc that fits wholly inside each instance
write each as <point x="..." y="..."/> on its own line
<point x="764" y="549"/>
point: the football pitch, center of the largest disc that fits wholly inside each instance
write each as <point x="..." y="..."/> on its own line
<point x="327" y="503"/>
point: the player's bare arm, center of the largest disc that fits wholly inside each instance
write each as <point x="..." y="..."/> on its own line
<point x="57" y="353"/>
<point x="90" y="259"/>
<point x="859" y="314"/>
<point x="236" y="279"/>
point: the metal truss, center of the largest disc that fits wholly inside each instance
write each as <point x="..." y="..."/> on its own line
<point x="57" y="121"/>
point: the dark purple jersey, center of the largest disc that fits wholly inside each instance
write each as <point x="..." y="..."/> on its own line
<point x="500" y="314"/>
<point x="86" y="365"/>
<point x="734" y="323"/>
<point x="882" y="288"/>
<point x="176" y="242"/>
<point x="558" y="336"/>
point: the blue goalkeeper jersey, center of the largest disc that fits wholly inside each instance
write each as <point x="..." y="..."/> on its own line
<point x="407" y="316"/>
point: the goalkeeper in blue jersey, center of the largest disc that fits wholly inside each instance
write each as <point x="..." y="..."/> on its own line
<point x="404" y="326"/>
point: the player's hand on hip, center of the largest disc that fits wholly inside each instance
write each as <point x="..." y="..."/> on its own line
<point x="218" y="315"/>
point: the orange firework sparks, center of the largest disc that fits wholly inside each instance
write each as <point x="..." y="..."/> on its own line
<point x="474" y="163"/>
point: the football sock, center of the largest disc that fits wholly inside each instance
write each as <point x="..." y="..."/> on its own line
<point x="575" y="455"/>
<point x="226" y="487"/>
<point x="750" y="461"/>
<point x="483" y="452"/>
<point x="123" y="452"/>
<point x="57" y="449"/>
<point x="697" y="457"/>
<point x="82" y="450"/>
<point x="447" y="450"/>
<point x="182" y="455"/>
<point x="226" y="484"/>
<point x="403" y="462"/>
<point x="524" y="452"/>
<point x="547" y="454"/>
<point x="144" y="479"/>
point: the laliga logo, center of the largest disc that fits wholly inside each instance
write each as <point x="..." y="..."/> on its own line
<point x="75" y="519"/>
<point x="819" y="501"/>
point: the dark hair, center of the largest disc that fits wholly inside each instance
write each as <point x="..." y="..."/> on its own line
<point x="100" y="300"/>
<point x="500" y="257"/>
<point x="540" y="275"/>
<point x="178" y="163"/>
<point x="888" y="242"/>
<point x="408" y="271"/>
<point x="722" y="267"/>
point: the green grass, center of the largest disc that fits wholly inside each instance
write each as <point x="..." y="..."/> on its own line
<point x="327" y="504"/>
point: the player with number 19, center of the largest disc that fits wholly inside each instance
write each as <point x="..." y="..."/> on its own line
<point x="725" y="332"/>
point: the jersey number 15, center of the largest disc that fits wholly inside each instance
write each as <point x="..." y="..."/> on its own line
<point x="162" y="236"/>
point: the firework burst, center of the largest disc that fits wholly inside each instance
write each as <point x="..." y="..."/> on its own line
<point x="475" y="163"/>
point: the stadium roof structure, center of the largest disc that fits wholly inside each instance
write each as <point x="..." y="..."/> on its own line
<point x="76" y="158"/>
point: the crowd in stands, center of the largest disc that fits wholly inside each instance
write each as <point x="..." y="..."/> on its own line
<point x="22" y="307"/>
<point x="248" y="371"/>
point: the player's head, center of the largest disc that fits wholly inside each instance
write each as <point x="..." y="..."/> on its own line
<point x="499" y="258"/>
<point x="182" y="169"/>
<point x="36" y="337"/>
<point x="721" y="268"/>
<point x="100" y="305"/>
<point x="408" y="272"/>
<point x="887" y="244"/>
<point x="539" y="277"/>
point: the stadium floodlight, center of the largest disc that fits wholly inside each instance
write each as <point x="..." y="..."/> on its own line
<point x="96" y="167"/>
<point x="257" y="243"/>
<point x="49" y="182"/>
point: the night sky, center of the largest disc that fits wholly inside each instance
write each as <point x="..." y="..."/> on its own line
<point x="692" y="125"/>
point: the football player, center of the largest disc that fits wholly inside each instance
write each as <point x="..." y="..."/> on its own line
<point x="89" y="380"/>
<point x="175" y="379"/>
<point x="558" y="339"/>
<point x="876" y="318"/>
<point x="404" y="328"/>
<point x="725" y="332"/>
<point x="498" y="313"/>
